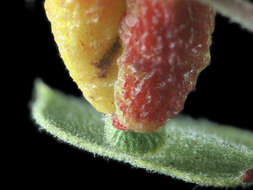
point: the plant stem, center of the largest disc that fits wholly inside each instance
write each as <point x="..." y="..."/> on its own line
<point x="239" y="11"/>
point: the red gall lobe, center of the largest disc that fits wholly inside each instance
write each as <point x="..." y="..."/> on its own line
<point x="166" y="45"/>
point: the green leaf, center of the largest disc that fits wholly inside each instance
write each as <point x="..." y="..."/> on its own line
<point x="196" y="151"/>
<point x="134" y="143"/>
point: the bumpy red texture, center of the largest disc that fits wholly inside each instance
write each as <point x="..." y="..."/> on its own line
<point x="117" y="124"/>
<point x="248" y="176"/>
<point x="166" y="45"/>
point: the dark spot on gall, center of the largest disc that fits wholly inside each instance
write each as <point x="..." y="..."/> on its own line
<point x="106" y="61"/>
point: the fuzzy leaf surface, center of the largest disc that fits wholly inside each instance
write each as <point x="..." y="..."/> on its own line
<point x="197" y="151"/>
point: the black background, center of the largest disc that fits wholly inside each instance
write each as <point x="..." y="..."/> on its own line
<point x="223" y="94"/>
